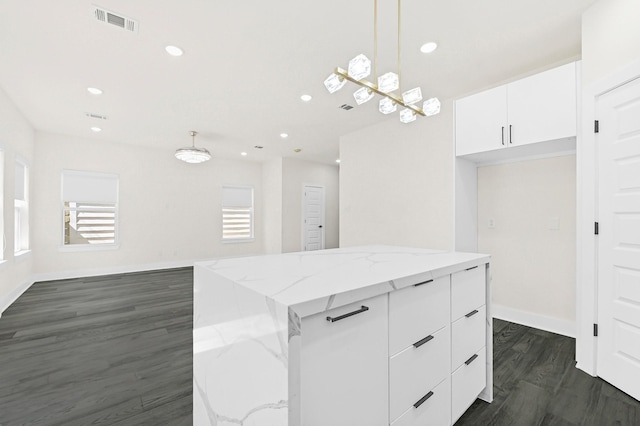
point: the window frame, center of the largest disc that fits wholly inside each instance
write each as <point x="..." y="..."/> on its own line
<point x="251" y="211"/>
<point x="114" y="207"/>
<point x="21" y="228"/>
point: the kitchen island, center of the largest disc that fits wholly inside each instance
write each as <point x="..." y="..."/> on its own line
<point x="372" y="335"/>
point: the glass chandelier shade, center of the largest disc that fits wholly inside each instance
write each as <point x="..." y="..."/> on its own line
<point x="192" y="154"/>
<point x="334" y="82"/>
<point x="359" y="67"/>
<point x="387" y="106"/>
<point x="412" y="96"/>
<point x="407" y="116"/>
<point x="431" y="107"/>
<point x="363" y="95"/>
<point x="388" y="82"/>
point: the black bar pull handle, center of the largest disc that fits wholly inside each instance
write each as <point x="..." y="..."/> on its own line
<point x="422" y="341"/>
<point x="423" y="399"/>
<point x="510" y="140"/>
<point x="341" y="317"/>
<point x="472" y="313"/>
<point x="473" y="267"/>
<point x="470" y="360"/>
<point x="502" y="135"/>
<point x="423" y="282"/>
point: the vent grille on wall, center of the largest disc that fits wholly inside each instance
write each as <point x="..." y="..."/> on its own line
<point x="93" y="115"/>
<point x="108" y="17"/>
<point x="345" y="107"/>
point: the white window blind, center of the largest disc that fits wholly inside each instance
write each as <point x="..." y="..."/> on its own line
<point x="237" y="213"/>
<point x="21" y="208"/>
<point x="90" y="202"/>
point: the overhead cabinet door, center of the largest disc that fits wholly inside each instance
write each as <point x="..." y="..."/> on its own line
<point x="543" y="107"/>
<point x="480" y="121"/>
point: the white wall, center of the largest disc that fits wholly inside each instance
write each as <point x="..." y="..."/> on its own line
<point x="396" y="183"/>
<point x="295" y="174"/>
<point x="533" y="263"/>
<point x="610" y="37"/>
<point x="272" y="205"/>
<point x="16" y="139"/>
<point x="169" y="211"/>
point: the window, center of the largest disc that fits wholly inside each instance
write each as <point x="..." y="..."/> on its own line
<point x="21" y="208"/>
<point x="3" y="239"/>
<point x="237" y="213"/>
<point x="89" y="209"/>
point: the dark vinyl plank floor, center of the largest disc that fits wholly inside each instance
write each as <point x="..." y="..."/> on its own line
<point x="117" y="350"/>
<point x="536" y="384"/>
<point x="110" y="350"/>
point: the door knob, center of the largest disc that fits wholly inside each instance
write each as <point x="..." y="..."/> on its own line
<point x="319" y="226"/>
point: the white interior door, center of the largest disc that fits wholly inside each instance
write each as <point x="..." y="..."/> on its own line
<point x="313" y="218"/>
<point x="618" y="144"/>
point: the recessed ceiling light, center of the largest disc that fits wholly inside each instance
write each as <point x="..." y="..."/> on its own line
<point x="284" y="135"/>
<point x="306" y="98"/>
<point x="338" y="161"/>
<point x="174" y="50"/>
<point x="243" y="154"/>
<point x="429" y="47"/>
<point x="94" y="90"/>
<point x="96" y="129"/>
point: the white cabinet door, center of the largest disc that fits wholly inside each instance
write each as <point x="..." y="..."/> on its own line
<point x="344" y="373"/>
<point x="481" y="121"/>
<point x="542" y="107"/>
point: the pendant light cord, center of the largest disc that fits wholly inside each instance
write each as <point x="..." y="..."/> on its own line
<point x="375" y="40"/>
<point x="399" y="73"/>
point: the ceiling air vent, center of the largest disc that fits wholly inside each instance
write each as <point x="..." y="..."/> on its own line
<point x="345" y="107"/>
<point x="98" y="116"/>
<point x="108" y="17"/>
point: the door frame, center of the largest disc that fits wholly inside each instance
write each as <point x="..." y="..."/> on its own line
<point x="322" y="218"/>
<point x="587" y="215"/>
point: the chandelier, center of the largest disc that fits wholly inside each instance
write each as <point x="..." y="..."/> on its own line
<point x="360" y="67"/>
<point x="192" y="154"/>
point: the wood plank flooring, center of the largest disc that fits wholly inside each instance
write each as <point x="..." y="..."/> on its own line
<point x="536" y="384"/>
<point x="117" y="350"/>
<point x="111" y="350"/>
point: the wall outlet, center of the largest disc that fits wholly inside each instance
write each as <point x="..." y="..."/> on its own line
<point x="492" y="223"/>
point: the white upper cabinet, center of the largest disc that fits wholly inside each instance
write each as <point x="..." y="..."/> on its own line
<point x="543" y="107"/>
<point x="539" y="108"/>
<point x="480" y="121"/>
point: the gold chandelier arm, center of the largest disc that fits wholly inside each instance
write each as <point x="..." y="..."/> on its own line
<point x="374" y="88"/>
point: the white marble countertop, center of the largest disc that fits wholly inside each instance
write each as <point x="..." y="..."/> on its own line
<point x="315" y="281"/>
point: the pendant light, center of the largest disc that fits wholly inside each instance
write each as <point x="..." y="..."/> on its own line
<point x="192" y="154"/>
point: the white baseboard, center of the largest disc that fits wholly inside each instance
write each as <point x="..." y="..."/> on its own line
<point x="542" y="322"/>
<point x="94" y="272"/>
<point x="78" y="273"/>
<point x="14" y="294"/>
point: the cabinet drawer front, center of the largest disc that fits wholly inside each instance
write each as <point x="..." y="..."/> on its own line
<point x="435" y="411"/>
<point x="344" y="365"/>
<point x="416" y="312"/>
<point x="467" y="291"/>
<point x="415" y="371"/>
<point x="466" y="384"/>
<point x="468" y="334"/>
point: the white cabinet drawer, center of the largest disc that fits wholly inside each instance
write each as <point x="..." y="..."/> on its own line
<point x="416" y="370"/>
<point x="435" y="411"/>
<point x="468" y="334"/>
<point x="417" y="311"/>
<point x="467" y="291"/>
<point x="466" y="384"/>
<point x="344" y="378"/>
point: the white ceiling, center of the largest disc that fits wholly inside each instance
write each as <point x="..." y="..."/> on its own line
<point x="247" y="62"/>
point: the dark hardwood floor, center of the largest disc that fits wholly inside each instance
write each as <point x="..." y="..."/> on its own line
<point x="117" y="350"/>
<point x="111" y="350"/>
<point x="536" y="383"/>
